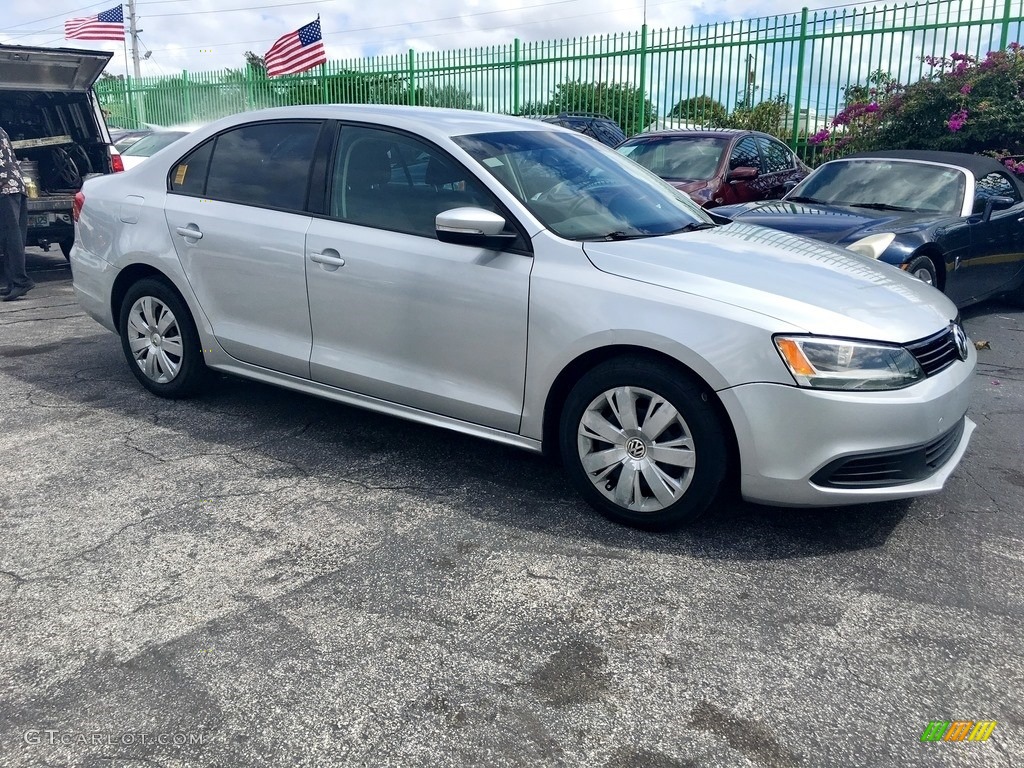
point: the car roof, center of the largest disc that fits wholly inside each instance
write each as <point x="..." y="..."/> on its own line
<point x="437" y="122"/>
<point x="703" y="133"/>
<point x="979" y="165"/>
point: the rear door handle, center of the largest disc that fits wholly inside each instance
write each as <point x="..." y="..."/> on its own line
<point x="190" y="232"/>
<point x="330" y="261"/>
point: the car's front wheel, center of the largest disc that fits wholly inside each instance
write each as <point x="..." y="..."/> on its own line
<point x="643" y="443"/>
<point x="923" y="269"/>
<point x="160" y="340"/>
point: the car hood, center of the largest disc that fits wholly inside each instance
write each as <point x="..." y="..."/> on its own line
<point x="828" y="223"/>
<point x="811" y="285"/>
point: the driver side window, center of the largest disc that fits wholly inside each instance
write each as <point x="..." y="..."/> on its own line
<point x="392" y="181"/>
<point x="993" y="185"/>
<point x="744" y="155"/>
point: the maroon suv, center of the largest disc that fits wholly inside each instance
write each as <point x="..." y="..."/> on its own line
<point x="720" y="166"/>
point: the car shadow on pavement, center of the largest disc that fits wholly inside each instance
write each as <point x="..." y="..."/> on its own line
<point x="331" y="444"/>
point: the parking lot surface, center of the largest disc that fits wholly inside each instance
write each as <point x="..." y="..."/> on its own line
<point x="261" y="578"/>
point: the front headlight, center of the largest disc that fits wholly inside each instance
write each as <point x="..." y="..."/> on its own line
<point x="873" y="245"/>
<point x="824" y="363"/>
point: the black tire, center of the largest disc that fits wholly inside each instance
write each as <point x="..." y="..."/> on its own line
<point x="65" y="248"/>
<point x="923" y="269"/>
<point x="686" y="492"/>
<point x="180" y="370"/>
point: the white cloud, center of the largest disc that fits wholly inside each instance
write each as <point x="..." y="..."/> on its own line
<point x="203" y="35"/>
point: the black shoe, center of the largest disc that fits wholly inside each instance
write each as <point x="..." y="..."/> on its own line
<point x="18" y="291"/>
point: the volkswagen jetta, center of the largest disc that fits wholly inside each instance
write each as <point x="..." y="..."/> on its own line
<point x="519" y="282"/>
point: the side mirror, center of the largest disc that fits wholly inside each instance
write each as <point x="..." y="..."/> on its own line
<point x="789" y="186"/>
<point x="472" y="226"/>
<point x="997" y="203"/>
<point x="743" y="173"/>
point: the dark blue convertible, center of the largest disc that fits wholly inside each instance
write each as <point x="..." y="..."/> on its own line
<point x="953" y="220"/>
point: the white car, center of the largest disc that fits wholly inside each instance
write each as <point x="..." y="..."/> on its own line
<point x="149" y="145"/>
<point x="517" y="281"/>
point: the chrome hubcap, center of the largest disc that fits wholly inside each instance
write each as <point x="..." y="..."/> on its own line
<point x="155" y="339"/>
<point x="924" y="276"/>
<point x="636" y="448"/>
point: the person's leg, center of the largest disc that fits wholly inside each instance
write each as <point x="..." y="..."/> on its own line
<point x="8" y="231"/>
<point x="15" y="231"/>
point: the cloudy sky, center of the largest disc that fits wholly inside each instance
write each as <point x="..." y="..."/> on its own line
<point x="202" y="35"/>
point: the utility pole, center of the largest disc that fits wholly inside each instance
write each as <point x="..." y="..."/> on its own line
<point x="133" y="31"/>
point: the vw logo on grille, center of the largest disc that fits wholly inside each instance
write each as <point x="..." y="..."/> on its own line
<point x="960" y="339"/>
<point x="635" y="448"/>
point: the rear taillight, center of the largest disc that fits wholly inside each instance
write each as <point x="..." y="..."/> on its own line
<point x="76" y="207"/>
<point x="115" y="160"/>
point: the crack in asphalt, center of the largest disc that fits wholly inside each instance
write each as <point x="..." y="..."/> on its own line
<point x="37" y="320"/>
<point x="970" y="475"/>
<point x="255" y="447"/>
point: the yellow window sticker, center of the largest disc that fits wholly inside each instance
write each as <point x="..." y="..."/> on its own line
<point x="179" y="174"/>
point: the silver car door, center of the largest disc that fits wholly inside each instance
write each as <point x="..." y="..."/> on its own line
<point x="240" y="237"/>
<point x="396" y="313"/>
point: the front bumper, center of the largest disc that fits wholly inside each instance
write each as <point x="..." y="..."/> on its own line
<point x="792" y="439"/>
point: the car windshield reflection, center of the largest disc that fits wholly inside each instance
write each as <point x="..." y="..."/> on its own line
<point x="885" y="185"/>
<point x="693" y="158"/>
<point x="579" y="190"/>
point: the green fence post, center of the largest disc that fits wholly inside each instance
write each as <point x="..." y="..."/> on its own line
<point x="643" y="77"/>
<point x="515" y="76"/>
<point x="189" y="117"/>
<point x="412" y="78"/>
<point x="799" y="78"/>
<point x="1004" y="38"/>
<point x="133" y="101"/>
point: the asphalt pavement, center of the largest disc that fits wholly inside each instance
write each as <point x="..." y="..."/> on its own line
<point x="261" y="578"/>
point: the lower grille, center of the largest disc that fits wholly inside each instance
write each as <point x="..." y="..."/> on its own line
<point x="906" y="465"/>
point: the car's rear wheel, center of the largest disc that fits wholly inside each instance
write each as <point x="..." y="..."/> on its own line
<point x="923" y="269"/>
<point x="643" y="443"/>
<point x="65" y="248"/>
<point x="160" y="340"/>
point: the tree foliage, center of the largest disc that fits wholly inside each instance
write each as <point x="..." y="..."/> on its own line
<point x="772" y="116"/>
<point x="626" y="104"/>
<point x="965" y="104"/>
<point x="702" y="110"/>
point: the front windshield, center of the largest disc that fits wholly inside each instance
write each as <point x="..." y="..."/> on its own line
<point x="690" y="158"/>
<point x="150" y="145"/>
<point x="885" y="184"/>
<point x="580" y="190"/>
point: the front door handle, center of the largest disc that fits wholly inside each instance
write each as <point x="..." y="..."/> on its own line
<point x="191" y="231"/>
<point x="326" y="260"/>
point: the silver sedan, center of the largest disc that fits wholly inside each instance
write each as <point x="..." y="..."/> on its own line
<point x="519" y="282"/>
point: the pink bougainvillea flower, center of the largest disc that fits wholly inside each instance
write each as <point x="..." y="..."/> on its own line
<point x="820" y="137"/>
<point x="966" y="89"/>
<point x="957" y="120"/>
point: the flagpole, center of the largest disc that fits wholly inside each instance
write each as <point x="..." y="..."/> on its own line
<point x="129" y="97"/>
<point x="134" y="32"/>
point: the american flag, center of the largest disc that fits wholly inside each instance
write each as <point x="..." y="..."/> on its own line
<point x="108" y="25"/>
<point x="296" y="52"/>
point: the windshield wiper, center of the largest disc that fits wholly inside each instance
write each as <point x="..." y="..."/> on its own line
<point x="799" y="199"/>
<point x="881" y="206"/>
<point x="691" y="227"/>
<point x="618" y="235"/>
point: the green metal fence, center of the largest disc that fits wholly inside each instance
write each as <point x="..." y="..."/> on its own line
<point x="800" y="63"/>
